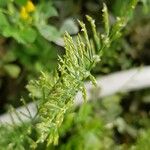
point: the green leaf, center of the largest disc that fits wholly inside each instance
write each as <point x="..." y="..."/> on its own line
<point x="28" y="35"/>
<point x="3" y="21"/>
<point x="21" y="2"/>
<point x="24" y="36"/>
<point x="12" y="70"/>
<point x="3" y="3"/>
<point x="49" y="32"/>
<point x="11" y="31"/>
<point x="46" y="10"/>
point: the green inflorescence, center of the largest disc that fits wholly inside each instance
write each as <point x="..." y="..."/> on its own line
<point x="55" y="92"/>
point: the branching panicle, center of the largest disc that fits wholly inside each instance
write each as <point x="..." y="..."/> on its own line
<point x="56" y="91"/>
<point x="75" y="67"/>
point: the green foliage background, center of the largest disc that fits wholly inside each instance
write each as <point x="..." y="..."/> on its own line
<point x="29" y="47"/>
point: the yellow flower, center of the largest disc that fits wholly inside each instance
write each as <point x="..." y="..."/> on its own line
<point x="24" y="14"/>
<point x="25" y="10"/>
<point x="29" y="7"/>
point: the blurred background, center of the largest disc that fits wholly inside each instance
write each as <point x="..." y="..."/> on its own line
<point x="30" y="43"/>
